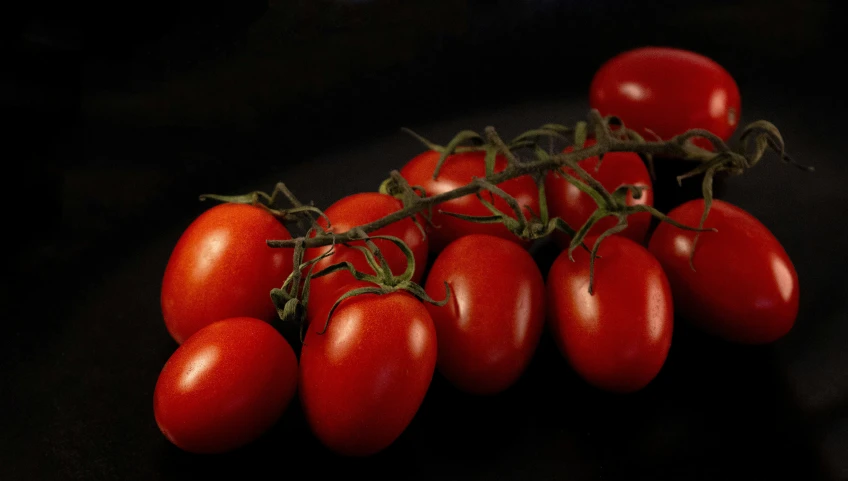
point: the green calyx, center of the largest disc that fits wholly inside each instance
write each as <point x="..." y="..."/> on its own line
<point x="302" y="214"/>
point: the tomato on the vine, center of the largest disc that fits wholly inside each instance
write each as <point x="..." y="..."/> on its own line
<point x="459" y="169"/>
<point x="575" y="207"/>
<point x="360" y="209"/>
<point x="743" y="288"/>
<point x="225" y="386"/>
<point x="221" y="267"/>
<point x="490" y="327"/>
<point x="364" y="378"/>
<point x="667" y="91"/>
<point x="618" y="337"/>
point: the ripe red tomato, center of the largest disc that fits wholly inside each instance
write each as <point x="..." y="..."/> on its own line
<point x="618" y="338"/>
<point x="221" y="267"/>
<point x="363" y="380"/>
<point x="458" y="170"/>
<point x="744" y="287"/>
<point x="668" y="91"/>
<point x="225" y="386"/>
<point x="356" y="210"/>
<point x="489" y="329"/>
<point x="575" y="207"/>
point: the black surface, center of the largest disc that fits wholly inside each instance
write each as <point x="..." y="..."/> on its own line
<point x="118" y="126"/>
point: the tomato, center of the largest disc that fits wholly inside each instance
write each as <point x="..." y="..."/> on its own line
<point x="225" y="386"/>
<point x="744" y="287"/>
<point x="363" y="380"/>
<point x="575" y="207"/>
<point x="221" y="267"/>
<point x="668" y="91"/>
<point x="489" y="329"/>
<point x="460" y="169"/>
<point x="360" y="209"/>
<point x="618" y="338"/>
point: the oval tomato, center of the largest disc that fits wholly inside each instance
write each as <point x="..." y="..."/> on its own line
<point x="459" y="169"/>
<point x="744" y="287"/>
<point x="575" y="207"/>
<point x="489" y="329"/>
<point x="363" y="379"/>
<point x="225" y="386"/>
<point x="618" y="338"/>
<point x="221" y="267"/>
<point x="668" y="91"/>
<point x="356" y="210"/>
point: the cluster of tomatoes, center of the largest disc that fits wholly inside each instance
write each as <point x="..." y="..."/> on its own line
<point x="366" y="362"/>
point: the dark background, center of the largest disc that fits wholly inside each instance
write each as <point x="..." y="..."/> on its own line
<point x="121" y="114"/>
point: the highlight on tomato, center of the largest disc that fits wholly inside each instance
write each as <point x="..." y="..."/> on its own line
<point x="225" y="386"/>
<point x="491" y="325"/>
<point x="221" y="267"/>
<point x="459" y="169"/>
<point x="741" y="285"/>
<point x="616" y="338"/>
<point x="364" y="374"/>
<point x="666" y="91"/>
<point x="574" y="206"/>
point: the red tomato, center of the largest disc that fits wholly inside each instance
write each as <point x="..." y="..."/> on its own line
<point x="668" y="91"/>
<point x="489" y="329"/>
<point x="225" y="386"/>
<point x="363" y="380"/>
<point x="744" y="287"/>
<point x="356" y="210"/>
<point x="221" y="267"/>
<point x="575" y="207"/>
<point x="618" y="338"/>
<point x="460" y="169"/>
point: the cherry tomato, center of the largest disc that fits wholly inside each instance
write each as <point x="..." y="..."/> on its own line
<point x="575" y="207"/>
<point x="744" y="287"/>
<point x="489" y="329"/>
<point x="458" y="170"/>
<point x="668" y="91"/>
<point x="617" y="338"/>
<point x="221" y="267"/>
<point x="363" y="380"/>
<point x="356" y="210"/>
<point x="225" y="386"/>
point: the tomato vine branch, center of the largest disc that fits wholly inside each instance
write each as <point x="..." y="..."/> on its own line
<point x="622" y="140"/>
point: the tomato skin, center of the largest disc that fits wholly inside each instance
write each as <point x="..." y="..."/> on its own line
<point x="459" y="169"/>
<point x="489" y="329"/>
<point x="618" y="338"/>
<point x="221" y="267"/>
<point x="575" y="207"/>
<point x="668" y="91"/>
<point x="225" y="386"/>
<point x="744" y="288"/>
<point x="363" y="380"/>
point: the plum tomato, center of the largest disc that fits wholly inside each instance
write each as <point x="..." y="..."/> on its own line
<point x="460" y="169"/>
<point x="743" y="288"/>
<point x="618" y="337"/>
<point x="221" y="267"/>
<point x="490" y="327"/>
<point x="225" y="386"/>
<point x="356" y="210"/>
<point x="363" y="379"/>
<point x="669" y="91"/>
<point x="575" y="207"/>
